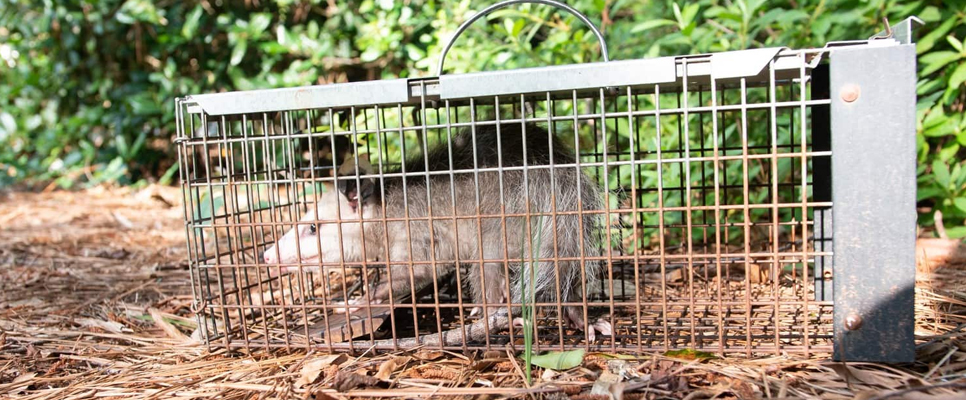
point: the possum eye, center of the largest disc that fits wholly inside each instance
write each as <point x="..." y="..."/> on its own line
<point x="313" y="229"/>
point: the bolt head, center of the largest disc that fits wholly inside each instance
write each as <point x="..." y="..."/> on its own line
<point x="853" y="322"/>
<point x="850" y="93"/>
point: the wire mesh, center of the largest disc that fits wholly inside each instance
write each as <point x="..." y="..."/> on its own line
<point x="706" y="202"/>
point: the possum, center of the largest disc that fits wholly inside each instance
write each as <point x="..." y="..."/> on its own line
<point x="469" y="240"/>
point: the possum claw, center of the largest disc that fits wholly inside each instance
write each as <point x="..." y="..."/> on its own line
<point x="361" y="301"/>
<point x="476" y="311"/>
<point x="604" y="327"/>
<point x="347" y="305"/>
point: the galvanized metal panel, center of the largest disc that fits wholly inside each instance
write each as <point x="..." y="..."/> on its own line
<point x="307" y="97"/>
<point x="874" y="198"/>
<point x="744" y="63"/>
<point x="558" y="78"/>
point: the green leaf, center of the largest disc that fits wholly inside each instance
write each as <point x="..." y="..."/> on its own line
<point x="140" y="10"/>
<point x="168" y="176"/>
<point x="956" y="232"/>
<point x="191" y="23"/>
<point x="935" y="61"/>
<point x="518" y="27"/>
<point x="238" y="52"/>
<point x="955" y="43"/>
<point x="690" y="354"/>
<point x="927" y="42"/>
<point x="678" y="17"/>
<point x="948" y="151"/>
<point x="651" y="24"/>
<point x="559" y="360"/>
<point x="945" y="129"/>
<point x="931" y="192"/>
<point x="960" y="203"/>
<point x="144" y="104"/>
<point x="941" y="171"/>
<point x="958" y="76"/>
<point x="259" y="23"/>
<point x="930" y="14"/>
<point x="689" y="12"/>
<point x="371" y="54"/>
<point x="9" y="124"/>
<point x="928" y="86"/>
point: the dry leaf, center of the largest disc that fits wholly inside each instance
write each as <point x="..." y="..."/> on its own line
<point x="320" y="395"/>
<point x="428" y="355"/>
<point x="757" y="274"/>
<point x="676" y="276"/>
<point x="604" y="383"/>
<point x="312" y="369"/>
<point x="346" y="381"/>
<point x="494" y="354"/>
<point x="388" y="367"/>
<point x="485" y="364"/>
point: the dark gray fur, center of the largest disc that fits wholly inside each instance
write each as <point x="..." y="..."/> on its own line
<point x="576" y="236"/>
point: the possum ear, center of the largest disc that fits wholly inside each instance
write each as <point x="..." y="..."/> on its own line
<point x="348" y="175"/>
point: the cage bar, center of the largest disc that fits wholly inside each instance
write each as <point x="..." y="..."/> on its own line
<point x="716" y="191"/>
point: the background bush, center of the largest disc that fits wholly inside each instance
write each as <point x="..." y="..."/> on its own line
<point x="87" y="88"/>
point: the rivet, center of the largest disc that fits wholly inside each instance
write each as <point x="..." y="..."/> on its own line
<point x="853" y="322"/>
<point x="850" y="93"/>
<point x="827" y="274"/>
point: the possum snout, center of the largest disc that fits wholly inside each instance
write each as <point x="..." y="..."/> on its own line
<point x="312" y="239"/>
<point x="297" y="245"/>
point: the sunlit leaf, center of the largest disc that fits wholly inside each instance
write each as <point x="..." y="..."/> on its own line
<point x="934" y="61"/>
<point x="191" y="22"/>
<point x="140" y="10"/>
<point x="960" y="203"/>
<point x="958" y="76"/>
<point x="259" y="23"/>
<point x="238" y="52"/>
<point x="956" y="232"/>
<point x="559" y="360"/>
<point x="958" y="45"/>
<point x="689" y="354"/>
<point x="651" y="24"/>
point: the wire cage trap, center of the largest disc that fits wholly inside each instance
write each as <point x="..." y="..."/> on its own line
<point x="717" y="177"/>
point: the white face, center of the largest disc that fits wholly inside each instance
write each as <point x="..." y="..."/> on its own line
<point x="302" y="243"/>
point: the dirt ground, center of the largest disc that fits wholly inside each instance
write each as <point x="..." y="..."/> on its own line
<point x="95" y="302"/>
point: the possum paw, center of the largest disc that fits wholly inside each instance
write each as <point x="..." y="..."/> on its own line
<point x="353" y="302"/>
<point x="476" y="311"/>
<point x="518" y="322"/>
<point x="603" y="326"/>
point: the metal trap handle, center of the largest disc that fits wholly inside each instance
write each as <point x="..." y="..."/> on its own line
<point x="583" y="18"/>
